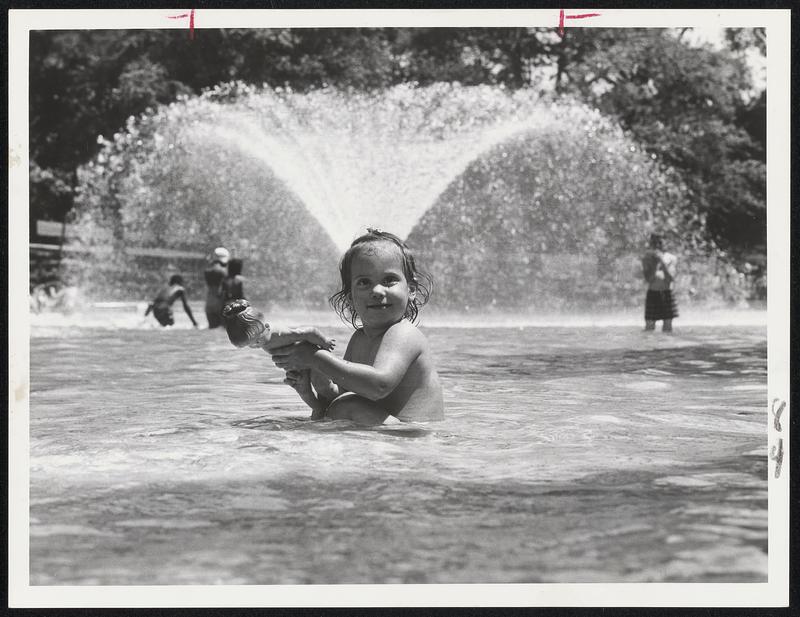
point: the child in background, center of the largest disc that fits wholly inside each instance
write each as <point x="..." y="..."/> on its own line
<point x="233" y="285"/>
<point x="388" y="368"/>
<point x="161" y="306"/>
<point x="659" y="269"/>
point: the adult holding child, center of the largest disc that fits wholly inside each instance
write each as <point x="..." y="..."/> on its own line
<point x="214" y="275"/>
<point x="659" y="269"/>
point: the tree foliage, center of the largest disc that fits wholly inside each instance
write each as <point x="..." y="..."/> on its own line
<point x="689" y="105"/>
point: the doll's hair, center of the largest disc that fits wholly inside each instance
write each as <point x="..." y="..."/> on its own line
<point x="176" y="279"/>
<point x="418" y="280"/>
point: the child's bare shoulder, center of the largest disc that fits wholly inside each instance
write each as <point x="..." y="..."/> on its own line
<point x="406" y="332"/>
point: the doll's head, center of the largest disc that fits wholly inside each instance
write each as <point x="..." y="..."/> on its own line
<point x="244" y="325"/>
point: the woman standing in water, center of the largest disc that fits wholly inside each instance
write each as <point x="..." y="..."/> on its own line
<point x="659" y="268"/>
<point x="215" y="275"/>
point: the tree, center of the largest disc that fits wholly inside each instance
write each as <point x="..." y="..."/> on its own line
<point x="687" y="105"/>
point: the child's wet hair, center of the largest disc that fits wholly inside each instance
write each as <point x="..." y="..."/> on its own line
<point x="418" y="280"/>
<point x="175" y="279"/>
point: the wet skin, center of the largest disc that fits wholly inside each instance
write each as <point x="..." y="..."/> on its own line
<point x="387" y="368"/>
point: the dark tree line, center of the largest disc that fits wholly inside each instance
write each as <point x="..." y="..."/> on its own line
<point x="692" y="107"/>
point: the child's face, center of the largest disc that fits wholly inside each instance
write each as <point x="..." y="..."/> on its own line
<point x="378" y="286"/>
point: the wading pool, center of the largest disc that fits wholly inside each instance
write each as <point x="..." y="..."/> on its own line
<point x="569" y="454"/>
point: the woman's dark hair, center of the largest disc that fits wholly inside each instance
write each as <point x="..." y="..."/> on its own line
<point x="234" y="266"/>
<point x="418" y="280"/>
<point x="175" y="279"/>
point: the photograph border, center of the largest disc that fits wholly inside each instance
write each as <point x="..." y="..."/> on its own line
<point x="773" y="593"/>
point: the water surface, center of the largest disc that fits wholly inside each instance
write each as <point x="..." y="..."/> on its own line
<point x="569" y="454"/>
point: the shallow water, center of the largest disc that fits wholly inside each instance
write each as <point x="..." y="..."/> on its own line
<point x="568" y="455"/>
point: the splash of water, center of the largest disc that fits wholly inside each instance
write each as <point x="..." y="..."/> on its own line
<point x="272" y="173"/>
<point x="379" y="160"/>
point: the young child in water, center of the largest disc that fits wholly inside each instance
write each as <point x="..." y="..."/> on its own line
<point x="161" y="306"/>
<point x="388" y="368"/>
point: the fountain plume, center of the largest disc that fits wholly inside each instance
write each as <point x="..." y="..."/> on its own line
<point x="470" y="175"/>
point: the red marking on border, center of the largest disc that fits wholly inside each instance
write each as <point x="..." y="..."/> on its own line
<point x="562" y="17"/>
<point x="583" y="15"/>
<point x="190" y="15"/>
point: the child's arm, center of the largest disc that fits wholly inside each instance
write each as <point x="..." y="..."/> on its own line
<point x="300" y="381"/>
<point x="648" y="267"/>
<point x="401" y="345"/>
<point x="668" y="263"/>
<point x="149" y="308"/>
<point x="280" y="336"/>
<point x="325" y="388"/>
<point x="187" y="309"/>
